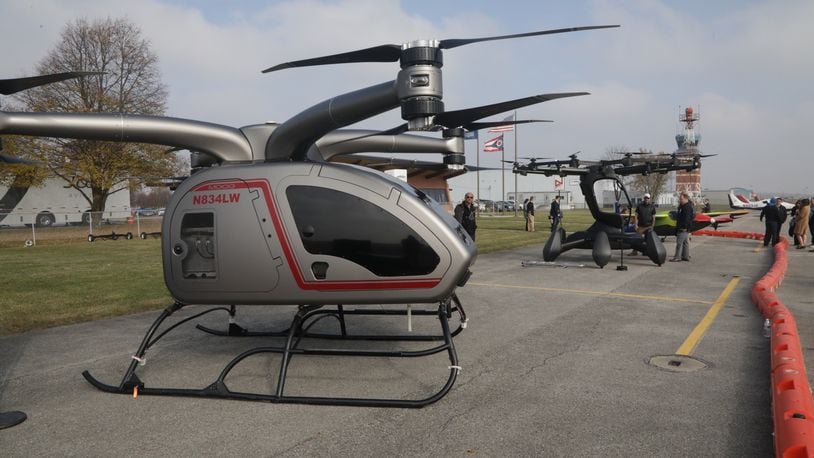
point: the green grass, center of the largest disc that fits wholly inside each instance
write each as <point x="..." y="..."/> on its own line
<point x="52" y="285"/>
<point x="70" y="281"/>
<point x="496" y="233"/>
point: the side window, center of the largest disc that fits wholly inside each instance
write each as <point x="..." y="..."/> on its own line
<point x="339" y="224"/>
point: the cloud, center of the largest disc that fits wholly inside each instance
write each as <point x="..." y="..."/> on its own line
<point x="747" y="66"/>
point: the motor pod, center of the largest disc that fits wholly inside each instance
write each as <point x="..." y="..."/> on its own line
<point x="601" y="251"/>
<point x="655" y="249"/>
<point x="553" y="246"/>
<point x="305" y="233"/>
<point x="419" y="83"/>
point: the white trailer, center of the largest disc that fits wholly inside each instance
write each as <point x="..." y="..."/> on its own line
<point x="55" y="202"/>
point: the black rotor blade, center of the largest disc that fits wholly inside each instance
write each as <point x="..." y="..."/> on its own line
<point x="484" y="125"/>
<point x="392" y="53"/>
<point x="454" y="43"/>
<point x="400" y="129"/>
<point x="458" y="118"/>
<point x="383" y="53"/>
<point x="706" y="155"/>
<point x="11" y="86"/>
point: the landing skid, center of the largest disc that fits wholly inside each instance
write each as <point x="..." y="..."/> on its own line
<point x="304" y="319"/>
<point x="340" y="314"/>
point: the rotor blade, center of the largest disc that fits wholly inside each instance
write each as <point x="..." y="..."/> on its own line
<point x="706" y="155"/>
<point x="11" y="86"/>
<point x="484" y="125"/>
<point x="454" y="43"/>
<point x="457" y="118"/>
<point x="383" y="53"/>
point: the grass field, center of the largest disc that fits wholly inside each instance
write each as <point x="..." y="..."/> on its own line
<point x="65" y="279"/>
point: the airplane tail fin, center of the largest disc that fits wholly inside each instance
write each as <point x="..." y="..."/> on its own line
<point x="733" y="200"/>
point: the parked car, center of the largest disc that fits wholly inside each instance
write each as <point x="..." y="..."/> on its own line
<point x="160" y="211"/>
<point x="146" y="212"/>
<point x="488" y="205"/>
<point x="503" y="206"/>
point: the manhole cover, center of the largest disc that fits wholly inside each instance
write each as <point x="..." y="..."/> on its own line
<point x="678" y="363"/>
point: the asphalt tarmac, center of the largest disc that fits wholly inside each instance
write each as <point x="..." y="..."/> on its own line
<point x="555" y="362"/>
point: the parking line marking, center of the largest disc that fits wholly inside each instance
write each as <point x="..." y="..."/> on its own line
<point x="594" y="293"/>
<point x="697" y="334"/>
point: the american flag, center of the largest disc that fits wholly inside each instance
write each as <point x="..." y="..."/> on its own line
<point x="506" y="128"/>
<point x="471" y="135"/>
<point x="494" y="145"/>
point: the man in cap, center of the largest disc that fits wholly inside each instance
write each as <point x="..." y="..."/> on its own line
<point x="645" y="217"/>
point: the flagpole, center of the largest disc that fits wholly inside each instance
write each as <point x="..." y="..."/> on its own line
<point x="477" y="166"/>
<point x="502" y="171"/>
<point x="516" y="132"/>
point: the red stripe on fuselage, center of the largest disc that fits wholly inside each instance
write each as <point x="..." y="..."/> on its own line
<point x="294" y="266"/>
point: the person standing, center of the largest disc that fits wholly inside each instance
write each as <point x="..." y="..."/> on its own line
<point x="530" y="214"/>
<point x="554" y="213"/>
<point x="465" y="214"/>
<point x="684" y="217"/>
<point x="526" y="213"/>
<point x="772" y="233"/>
<point x="645" y="217"/>
<point x="782" y="216"/>
<point x="801" y="223"/>
<point x="811" y="220"/>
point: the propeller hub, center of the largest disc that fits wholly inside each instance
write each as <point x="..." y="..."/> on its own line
<point x="421" y="54"/>
<point x="455" y="161"/>
<point x="420" y="91"/>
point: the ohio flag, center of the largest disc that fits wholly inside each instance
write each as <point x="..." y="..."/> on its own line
<point x="494" y="145"/>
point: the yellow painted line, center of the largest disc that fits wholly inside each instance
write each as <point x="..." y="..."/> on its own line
<point x="593" y="293"/>
<point x="698" y="333"/>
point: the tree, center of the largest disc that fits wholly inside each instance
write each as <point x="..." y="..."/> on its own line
<point x="653" y="184"/>
<point x="131" y="83"/>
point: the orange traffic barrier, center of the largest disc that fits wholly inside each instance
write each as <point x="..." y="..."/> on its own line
<point x="792" y="403"/>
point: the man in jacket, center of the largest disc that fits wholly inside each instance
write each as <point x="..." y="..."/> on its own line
<point x="530" y="214"/>
<point x="645" y="217"/>
<point x="465" y="214"/>
<point x="684" y="218"/>
<point x="772" y="215"/>
<point x="554" y="213"/>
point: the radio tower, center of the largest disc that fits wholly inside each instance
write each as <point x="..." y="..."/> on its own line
<point x="688" y="147"/>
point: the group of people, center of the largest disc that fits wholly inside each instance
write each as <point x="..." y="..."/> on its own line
<point x="646" y="218"/>
<point x="465" y="214"/>
<point x="554" y="213"/>
<point x="775" y="215"/>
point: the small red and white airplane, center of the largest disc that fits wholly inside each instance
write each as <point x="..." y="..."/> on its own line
<point x="739" y="201"/>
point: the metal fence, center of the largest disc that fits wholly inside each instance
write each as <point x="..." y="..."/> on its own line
<point x="31" y="229"/>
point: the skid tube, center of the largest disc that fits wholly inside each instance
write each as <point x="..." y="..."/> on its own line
<point x="340" y="314"/>
<point x="305" y="317"/>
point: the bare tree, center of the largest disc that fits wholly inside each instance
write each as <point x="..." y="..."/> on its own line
<point x="653" y="184"/>
<point x="131" y="83"/>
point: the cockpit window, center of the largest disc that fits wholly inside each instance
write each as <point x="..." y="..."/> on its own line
<point x="336" y="223"/>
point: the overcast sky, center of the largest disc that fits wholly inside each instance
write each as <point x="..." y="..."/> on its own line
<point x="747" y="65"/>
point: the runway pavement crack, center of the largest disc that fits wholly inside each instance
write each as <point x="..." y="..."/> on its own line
<point x="578" y="349"/>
